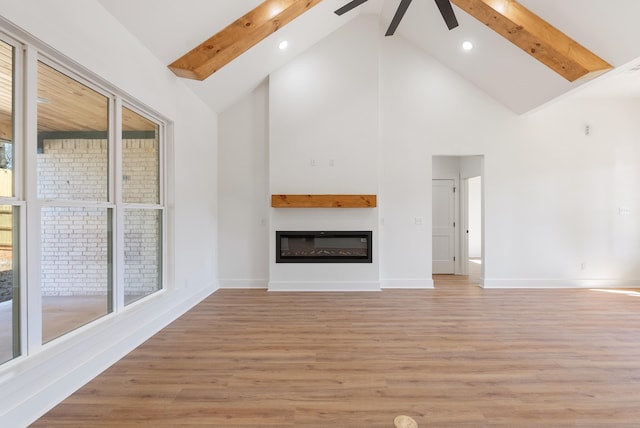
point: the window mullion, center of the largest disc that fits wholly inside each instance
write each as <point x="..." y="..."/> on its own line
<point x="118" y="226"/>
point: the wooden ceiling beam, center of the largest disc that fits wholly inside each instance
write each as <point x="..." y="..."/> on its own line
<point x="536" y="37"/>
<point x="228" y="44"/>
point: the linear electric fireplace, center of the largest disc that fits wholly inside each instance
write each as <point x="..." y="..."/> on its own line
<point x="323" y="247"/>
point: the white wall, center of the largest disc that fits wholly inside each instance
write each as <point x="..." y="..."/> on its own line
<point x="471" y="166"/>
<point x="547" y="207"/>
<point x="426" y="111"/>
<point x="446" y="167"/>
<point x="324" y="117"/>
<point x="324" y="107"/>
<point x="33" y="384"/>
<point x="553" y="196"/>
<point x="244" y="191"/>
<point x="560" y="197"/>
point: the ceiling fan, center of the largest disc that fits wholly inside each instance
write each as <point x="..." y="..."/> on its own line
<point x="446" y="10"/>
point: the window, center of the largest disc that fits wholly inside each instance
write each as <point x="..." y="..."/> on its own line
<point x="75" y="263"/>
<point x="10" y="344"/>
<point x="143" y="214"/>
<point x="88" y="215"/>
<point x="73" y="172"/>
<point x="9" y="284"/>
<point x="142" y="253"/>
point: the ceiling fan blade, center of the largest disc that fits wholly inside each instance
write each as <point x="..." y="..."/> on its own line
<point x="446" y="10"/>
<point x="347" y="7"/>
<point x="402" y="8"/>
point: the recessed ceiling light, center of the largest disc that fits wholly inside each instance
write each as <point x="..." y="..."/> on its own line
<point x="467" y="45"/>
<point x="283" y="45"/>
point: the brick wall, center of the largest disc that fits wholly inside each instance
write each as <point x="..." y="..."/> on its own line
<point x="74" y="251"/>
<point x="140" y="171"/>
<point x="75" y="259"/>
<point x="73" y="169"/>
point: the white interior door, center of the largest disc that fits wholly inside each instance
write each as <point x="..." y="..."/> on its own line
<point x="443" y="226"/>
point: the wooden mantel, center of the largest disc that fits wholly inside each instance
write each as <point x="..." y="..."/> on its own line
<point x="323" y="201"/>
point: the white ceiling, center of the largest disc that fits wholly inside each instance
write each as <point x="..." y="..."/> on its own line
<point x="609" y="28"/>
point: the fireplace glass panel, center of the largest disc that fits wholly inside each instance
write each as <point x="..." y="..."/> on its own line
<point x="323" y="247"/>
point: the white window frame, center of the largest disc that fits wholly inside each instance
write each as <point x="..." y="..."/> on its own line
<point x="36" y="204"/>
<point x="28" y="51"/>
<point x="17" y="199"/>
<point x="123" y="206"/>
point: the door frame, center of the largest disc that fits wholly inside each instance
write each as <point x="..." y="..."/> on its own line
<point x="461" y="215"/>
<point x="464" y="226"/>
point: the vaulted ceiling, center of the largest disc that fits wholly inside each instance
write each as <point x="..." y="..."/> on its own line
<point x="170" y="29"/>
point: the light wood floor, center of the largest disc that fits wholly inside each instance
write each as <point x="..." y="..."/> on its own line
<point x="454" y="356"/>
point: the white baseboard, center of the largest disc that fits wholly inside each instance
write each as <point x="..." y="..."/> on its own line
<point x="324" y="286"/>
<point x="244" y="283"/>
<point x="32" y="385"/>
<point x="406" y="283"/>
<point x="561" y="283"/>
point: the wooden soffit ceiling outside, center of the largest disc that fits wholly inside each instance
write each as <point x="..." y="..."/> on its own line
<point x="508" y="18"/>
<point x="64" y="104"/>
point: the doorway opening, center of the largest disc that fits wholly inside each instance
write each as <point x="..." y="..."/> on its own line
<point x="457" y="220"/>
<point x="472" y="209"/>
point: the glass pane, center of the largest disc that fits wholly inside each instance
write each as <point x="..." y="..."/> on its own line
<point x="75" y="268"/>
<point x="6" y="119"/>
<point x="140" y="159"/>
<point x="9" y="284"/>
<point x="142" y="253"/>
<point x="72" y="138"/>
<point x="323" y="246"/>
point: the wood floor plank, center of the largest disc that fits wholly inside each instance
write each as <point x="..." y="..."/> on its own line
<point x="457" y="355"/>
